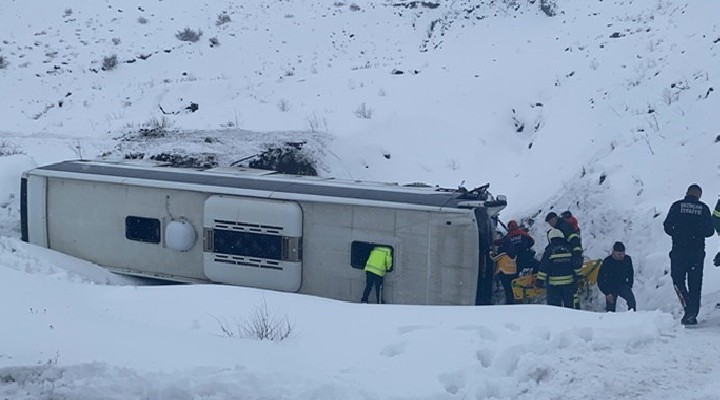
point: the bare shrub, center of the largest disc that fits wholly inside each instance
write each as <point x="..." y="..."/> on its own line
<point x="354" y="7"/>
<point x="109" y="63"/>
<point x="116" y="41"/>
<point x="214" y="42"/>
<point x="519" y="125"/>
<point x="549" y="7"/>
<point x="314" y="123"/>
<point x="670" y="96"/>
<point x="259" y="324"/>
<point x="156" y="127"/>
<point x="3" y="62"/>
<point x="283" y="105"/>
<point x="363" y="111"/>
<point x="68" y="12"/>
<point x="189" y="35"/>
<point x="142" y="20"/>
<point x="8" y="149"/>
<point x="222" y="19"/>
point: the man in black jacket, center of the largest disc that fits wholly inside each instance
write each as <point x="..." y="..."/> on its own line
<point x="688" y="222"/>
<point x="616" y="278"/>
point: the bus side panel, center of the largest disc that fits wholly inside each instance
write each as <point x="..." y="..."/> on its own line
<point x="327" y="236"/>
<point x="435" y="254"/>
<point x="328" y="244"/>
<point x="452" y="277"/>
<point x="409" y="279"/>
<point x="36" y="210"/>
<point x="89" y="220"/>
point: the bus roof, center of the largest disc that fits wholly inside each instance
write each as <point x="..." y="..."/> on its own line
<point x="262" y="180"/>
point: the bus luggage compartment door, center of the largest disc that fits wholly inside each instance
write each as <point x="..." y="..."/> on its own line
<point x="253" y="242"/>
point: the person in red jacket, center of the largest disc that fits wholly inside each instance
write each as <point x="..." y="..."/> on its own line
<point x="572" y="220"/>
<point x="518" y="243"/>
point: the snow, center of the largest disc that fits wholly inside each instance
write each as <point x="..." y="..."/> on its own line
<point x="618" y="119"/>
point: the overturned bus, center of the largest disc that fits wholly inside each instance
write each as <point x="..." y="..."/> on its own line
<point x="263" y="229"/>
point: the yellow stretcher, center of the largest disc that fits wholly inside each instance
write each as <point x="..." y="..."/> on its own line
<point x="524" y="289"/>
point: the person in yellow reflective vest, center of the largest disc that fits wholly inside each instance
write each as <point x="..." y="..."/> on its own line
<point x="378" y="264"/>
<point x="558" y="272"/>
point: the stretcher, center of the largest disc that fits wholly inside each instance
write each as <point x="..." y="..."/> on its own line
<point x="525" y="291"/>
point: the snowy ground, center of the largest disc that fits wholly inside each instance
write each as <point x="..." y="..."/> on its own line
<point x="618" y="106"/>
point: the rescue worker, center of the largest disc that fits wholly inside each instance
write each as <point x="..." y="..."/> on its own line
<point x="567" y="215"/>
<point x="558" y="273"/>
<point x="573" y="239"/>
<point x="570" y="235"/>
<point x="688" y="222"/>
<point x="506" y="269"/>
<point x="615" y="278"/>
<point x="517" y="242"/>
<point x="378" y="264"/>
<point x="574" y="223"/>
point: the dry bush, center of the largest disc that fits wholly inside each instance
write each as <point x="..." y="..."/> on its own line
<point x="189" y="35"/>
<point x="260" y="325"/>
<point x="8" y="149"/>
<point x="109" y="63"/>
<point x="363" y="111"/>
<point x="222" y="19"/>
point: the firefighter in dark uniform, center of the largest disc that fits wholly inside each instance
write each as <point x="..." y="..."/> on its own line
<point x="573" y="239"/>
<point x="688" y="222"/>
<point x="558" y="272"/>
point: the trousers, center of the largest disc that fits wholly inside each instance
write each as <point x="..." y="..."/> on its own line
<point x="372" y="280"/>
<point x="687" y="264"/>
<point x="626" y="293"/>
<point x="561" y="295"/>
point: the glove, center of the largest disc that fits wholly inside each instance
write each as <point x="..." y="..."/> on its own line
<point x="716" y="261"/>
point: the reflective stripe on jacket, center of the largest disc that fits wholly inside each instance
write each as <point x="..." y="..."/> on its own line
<point x="556" y="266"/>
<point x="380" y="261"/>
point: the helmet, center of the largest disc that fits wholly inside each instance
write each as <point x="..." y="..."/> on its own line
<point x="555" y="233"/>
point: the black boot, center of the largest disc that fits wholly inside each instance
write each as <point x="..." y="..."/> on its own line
<point x="685" y="318"/>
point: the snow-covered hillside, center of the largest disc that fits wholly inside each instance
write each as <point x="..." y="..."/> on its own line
<point x="606" y="108"/>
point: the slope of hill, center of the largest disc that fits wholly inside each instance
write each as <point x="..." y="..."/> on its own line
<point x="606" y="108"/>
